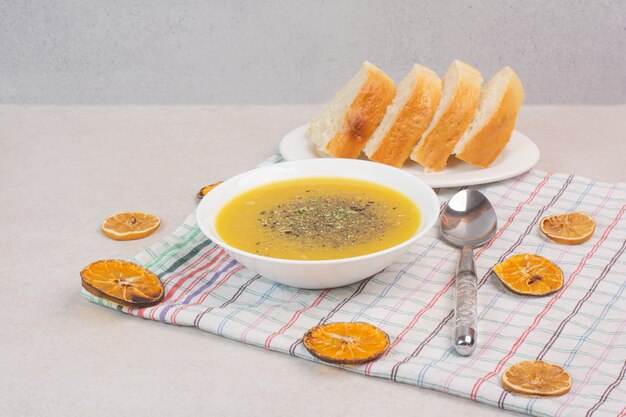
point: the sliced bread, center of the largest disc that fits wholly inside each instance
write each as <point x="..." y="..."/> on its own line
<point x="407" y="117"/>
<point x="346" y="123"/>
<point x="493" y="122"/>
<point x="459" y="100"/>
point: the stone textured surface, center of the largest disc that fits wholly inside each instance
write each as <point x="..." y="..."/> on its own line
<point x="278" y="51"/>
<point x="64" y="169"/>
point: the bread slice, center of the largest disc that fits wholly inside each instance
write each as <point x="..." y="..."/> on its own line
<point x="348" y="121"/>
<point x="407" y="117"/>
<point x="459" y="100"/>
<point x="493" y="123"/>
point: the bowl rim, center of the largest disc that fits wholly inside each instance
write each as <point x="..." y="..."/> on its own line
<point x="420" y="232"/>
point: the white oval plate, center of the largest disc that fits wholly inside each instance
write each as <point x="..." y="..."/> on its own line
<point x="519" y="156"/>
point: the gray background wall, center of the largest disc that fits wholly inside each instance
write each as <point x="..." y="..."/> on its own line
<point x="200" y="52"/>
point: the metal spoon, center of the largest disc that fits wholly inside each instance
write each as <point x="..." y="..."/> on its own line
<point x="468" y="221"/>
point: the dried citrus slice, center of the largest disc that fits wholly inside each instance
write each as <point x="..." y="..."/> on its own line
<point x="131" y="225"/>
<point x="205" y="190"/>
<point x="123" y="283"/>
<point x="528" y="274"/>
<point x="537" y="378"/>
<point x="569" y="228"/>
<point x="346" y="343"/>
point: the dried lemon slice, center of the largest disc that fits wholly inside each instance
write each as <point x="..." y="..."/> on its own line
<point x="537" y="378"/>
<point x="205" y="190"/>
<point x="569" y="228"/>
<point x="528" y="274"/>
<point x="346" y="343"/>
<point x="130" y="225"/>
<point x="123" y="283"/>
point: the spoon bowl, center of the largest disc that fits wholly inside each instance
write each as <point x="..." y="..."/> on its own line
<point x="468" y="219"/>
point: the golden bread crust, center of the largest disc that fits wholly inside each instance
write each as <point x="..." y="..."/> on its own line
<point x="411" y="122"/>
<point x="433" y="150"/>
<point x="363" y="116"/>
<point x="482" y="149"/>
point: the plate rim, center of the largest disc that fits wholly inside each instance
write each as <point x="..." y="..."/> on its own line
<point x="468" y="180"/>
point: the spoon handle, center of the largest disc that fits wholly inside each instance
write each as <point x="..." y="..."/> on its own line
<point x="465" y="306"/>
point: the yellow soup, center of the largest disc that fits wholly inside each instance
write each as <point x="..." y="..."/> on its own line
<point x="317" y="218"/>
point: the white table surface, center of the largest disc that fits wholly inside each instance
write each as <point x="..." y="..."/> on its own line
<point x="64" y="169"/>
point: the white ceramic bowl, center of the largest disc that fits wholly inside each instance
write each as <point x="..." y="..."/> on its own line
<point x="326" y="273"/>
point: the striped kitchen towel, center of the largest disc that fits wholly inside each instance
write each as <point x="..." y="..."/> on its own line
<point x="581" y="328"/>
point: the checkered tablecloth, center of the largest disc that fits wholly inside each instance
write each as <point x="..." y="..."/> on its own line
<point x="581" y="328"/>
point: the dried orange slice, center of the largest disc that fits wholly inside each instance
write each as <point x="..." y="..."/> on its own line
<point x="123" y="283"/>
<point x="131" y="225"/>
<point x="346" y="343"/>
<point x="569" y="228"/>
<point x="528" y="274"/>
<point x="205" y="190"/>
<point x="537" y="378"/>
